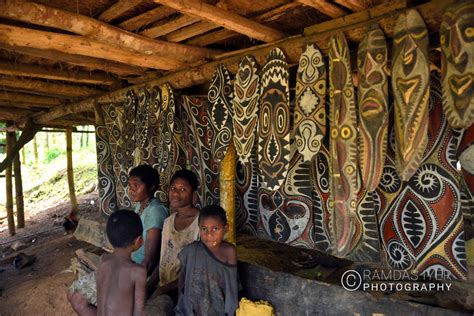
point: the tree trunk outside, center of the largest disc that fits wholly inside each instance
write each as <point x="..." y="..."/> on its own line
<point x="70" y="173"/>
<point x="8" y="181"/>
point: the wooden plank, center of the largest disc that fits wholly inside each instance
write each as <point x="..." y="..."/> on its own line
<point x="13" y="69"/>
<point x="23" y="37"/>
<point x="292" y="47"/>
<point x="225" y="19"/>
<point x="324" y="7"/>
<point x="83" y="61"/>
<point x="147" y="18"/>
<point x="168" y="27"/>
<point x="223" y="34"/>
<point x="354" y="5"/>
<point x="24" y="98"/>
<point x="99" y="31"/>
<point x="50" y="88"/>
<point x="118" y="9"/>
<point x="191" y="31"/>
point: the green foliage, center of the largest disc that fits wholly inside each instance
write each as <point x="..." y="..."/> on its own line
<point x="52" y="154"/>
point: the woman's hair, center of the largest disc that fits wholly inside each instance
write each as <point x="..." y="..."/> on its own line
<point x="214" y="211"/>
<point x="123" y="227"/>
<point x="187" y="175"/>
<point x="148" y="175"/>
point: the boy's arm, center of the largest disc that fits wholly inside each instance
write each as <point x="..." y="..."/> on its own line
<point x="139" y="292"/>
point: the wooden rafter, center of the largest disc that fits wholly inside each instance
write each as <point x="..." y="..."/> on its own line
<point x="325" y="7"/>
<point x="7" y="112"/>
<point x="27" y="100"/>
<point x="225" y="34"/>
<point x="146" y="18"/>
<point x="354" y="5"/>
<point x="49" y="88"/>
<point x="83" y="61"/>
<point x="168" y="27"/>
<point x="118" y="9"/>
<point x="191" y="31"/>
<point x="99" y="31"/>
<point x="225" y="19"/>
<point x="8" y="68"/>
<point x="23" y="37"/>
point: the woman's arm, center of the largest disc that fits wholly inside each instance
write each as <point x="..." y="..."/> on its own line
<point x="152" y="243"/>
<point x="139" y="293"/>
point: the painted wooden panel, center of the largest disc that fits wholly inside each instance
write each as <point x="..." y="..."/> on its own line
<point x="411" y="90"/>
<point x="106" y="177"/>
<point x="457" y="55"/>
<point x="274" y="121"/>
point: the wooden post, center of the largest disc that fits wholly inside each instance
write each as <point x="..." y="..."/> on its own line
<point x="46" y="145"/>
<point x="8" y="181"/>
<point x="35" y="151"/>
<point x="227" y="188"/>
<point x="23" y="156"/>
<point x="20" y="209"/>
<point x="70" y="173"/>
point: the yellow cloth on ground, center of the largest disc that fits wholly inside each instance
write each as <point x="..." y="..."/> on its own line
<point x="249" y="308"/>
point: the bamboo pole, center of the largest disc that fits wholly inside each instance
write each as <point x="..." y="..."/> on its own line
<point x="20" y="206"/>
<point x="9" y="191"/>
<point x="227" y="189"/>
<point x="35" y="151"/>
<point x="70" y="173"/>
<point x="23" y="156"/>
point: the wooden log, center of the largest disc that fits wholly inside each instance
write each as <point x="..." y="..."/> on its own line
<point x="146" y="18"/>
<point x="8" y="182"/>
<point x="13" y="69"/>
<point x="7" y="113"/>
<point x="70" y="171"/>
<point x="191" y="31"/>
<point x="170" y="26"/>
<point x="354" y="5"/>
<point x="118" y="9"/>
<point x="20" y="206"/>
<point x="99" y="31"/>
<point x="83" y="61"/>
<point x="35" y="151"/>
<point x="225" y="18"/>
<point x="39" y="101"/>
<point x="227" y="188"/>
<point x="23" y="37"/>
<point x="292" y="47"/>
<point x="325" y="7"/>
<point x="50" y="88"/>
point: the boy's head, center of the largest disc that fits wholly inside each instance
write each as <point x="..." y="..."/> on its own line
<point x="212" y="225"/>
<point x="124" y="228"/>
<point x="147" y="175"/>
<point x="182" y="191"/>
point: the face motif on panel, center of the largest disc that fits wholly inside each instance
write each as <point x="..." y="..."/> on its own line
<point x="410" y="84"/>
<point x="274" y="121"/>
<point x="343" y="145"/>
<point x="457" y="48"/>
<point x="310" y="112"/>
<point x="246" y="96"/>
<point x="373" y="106"/>
<point x="220" y="112"/>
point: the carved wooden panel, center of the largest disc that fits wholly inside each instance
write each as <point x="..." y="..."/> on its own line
<point x="220" y="112"/>
<point x="274" y="121"/>
<point x="310" y="111"/>
<point x="141" y="152"/>
<point x="106" y="177"/>
<point x="373" y="106"/>
<point x="410" y="85"/>
<point x="457" y="56"/>
<point x="343" y="146"/>
<point x="246" y="97"/>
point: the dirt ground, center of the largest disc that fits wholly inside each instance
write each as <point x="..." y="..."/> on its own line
<point x="41" y="288"/>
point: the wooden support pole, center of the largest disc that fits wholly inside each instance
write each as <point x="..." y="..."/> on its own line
<point x="8" y="182"/>
<point x="35" y="151"/>
<point x="23" y="157"/>
<point x="227" y="188"/>
<point x="70" y="172"/>
<point x="20" y="206"/>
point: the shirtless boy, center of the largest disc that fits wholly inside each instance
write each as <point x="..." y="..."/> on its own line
<point x="120" y="281"/>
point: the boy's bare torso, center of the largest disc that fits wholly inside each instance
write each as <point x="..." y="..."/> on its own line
<point x="120" y="286"/>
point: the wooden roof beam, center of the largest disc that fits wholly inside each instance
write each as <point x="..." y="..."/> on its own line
<point x="354" y="5"/>
<point x="293" y="47"/>
<point x="170" y="26"/>
<point x="27" y="99"/>
<point x="118" y="9"/>
<point x="191" y="31"/>
<point x="13" y="69"/>
<point x="49" y="88"/>
<point x="325" y="7"/>
<point x="71" y="44"/>
<point x="99" y="31"/>
<point x="225" y="19"/>
<point x="14" y="114"/>
<point x="146" y="18"/>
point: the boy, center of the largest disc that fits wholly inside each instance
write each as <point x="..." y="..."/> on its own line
<point x="120" y="281"/>
<point x="208" y="279"/>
